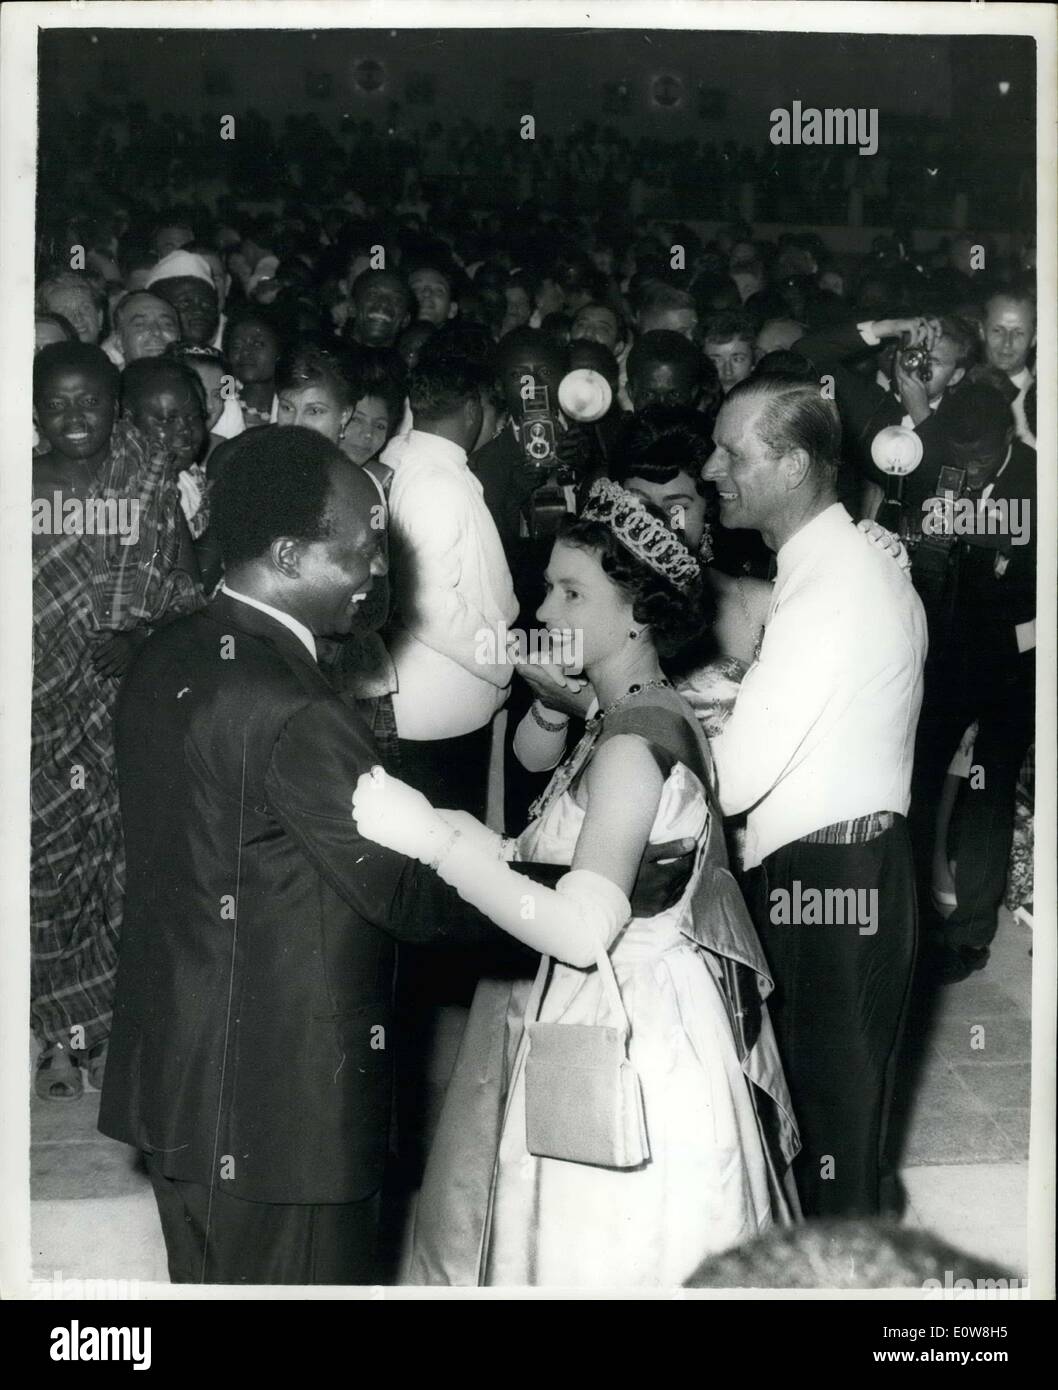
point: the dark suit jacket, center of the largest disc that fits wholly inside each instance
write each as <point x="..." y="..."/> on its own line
<point x="252" y="1038"/>
<point x="507" y="484"/>
<point x="996" y="579"/>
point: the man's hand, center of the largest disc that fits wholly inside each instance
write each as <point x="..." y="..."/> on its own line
<point x="111" y="656"/>
<point x="920" y="332"/>
<point x="913" y="393"/>
<point x="565" y="694"/>
<point x="654" y="890"/>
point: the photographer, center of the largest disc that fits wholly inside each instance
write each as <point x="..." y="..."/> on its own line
<point x="933" y="355"/>
<point x="531" y="471"/>
<point x="981" y="665"/>
<point x="531" y="475"/>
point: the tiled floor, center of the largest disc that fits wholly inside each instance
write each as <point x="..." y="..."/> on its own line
<point x="964" y="1157"/>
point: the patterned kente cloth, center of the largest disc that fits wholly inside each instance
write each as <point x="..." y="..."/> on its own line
<point x="84" y="586"/>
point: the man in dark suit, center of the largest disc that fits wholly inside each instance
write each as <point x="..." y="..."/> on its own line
<point x="250" y="1058"/>
<point x="981" y="668"/>
<point x="866" y="406"/>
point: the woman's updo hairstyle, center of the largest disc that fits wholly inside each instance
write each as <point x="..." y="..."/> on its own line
<point x="310" y="365"/>
<point x="679" y="618"/>
<point x="661" y="441"/>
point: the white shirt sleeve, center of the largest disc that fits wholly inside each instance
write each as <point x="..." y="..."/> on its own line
<point x="431" y="523"/>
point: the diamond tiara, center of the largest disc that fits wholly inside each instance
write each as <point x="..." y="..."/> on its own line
<point x="649" y="539"/>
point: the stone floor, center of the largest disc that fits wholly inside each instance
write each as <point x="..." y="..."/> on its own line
<point x="964" y="1111"/>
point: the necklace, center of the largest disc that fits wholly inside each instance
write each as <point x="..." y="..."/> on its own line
<point x="568" y="769"/>
<point x="657" y="683"/>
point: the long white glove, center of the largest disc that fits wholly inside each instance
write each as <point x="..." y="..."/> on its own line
<point x="568" y="922"/>
<point x="490" y="842"/>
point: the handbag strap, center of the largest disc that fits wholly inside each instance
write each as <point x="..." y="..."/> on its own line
<point x="609" y="986"/>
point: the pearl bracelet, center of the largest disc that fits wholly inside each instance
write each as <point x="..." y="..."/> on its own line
<point x="546" y="724"/>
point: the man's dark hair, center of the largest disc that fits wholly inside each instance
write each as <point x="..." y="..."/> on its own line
<point x="148" y="373"/>
<point x="459" y="338"/>
<point x="977" y="413"/>
<point x="529" y="343"/>
<point x="276" y="482"/>
<point x="794" y="416"/>
<point x="662" y="345"/>
<point x="370" y="277"/>
<point x="73" y="356"/>
<point x="961" y="333"/>
<point x="438" y="389"/>
<point x="585" y="352"/>
<point x="439" y="265"/>
<point x="722" y="328"/>
<point x="657" y="294"/>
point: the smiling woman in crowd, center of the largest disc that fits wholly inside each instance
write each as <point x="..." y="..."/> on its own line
<point x="95" y="597"/>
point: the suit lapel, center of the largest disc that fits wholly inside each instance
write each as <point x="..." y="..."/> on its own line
<point x="229" y="612"/>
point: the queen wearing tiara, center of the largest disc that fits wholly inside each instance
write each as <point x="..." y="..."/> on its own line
<point x="625" y="1116"/>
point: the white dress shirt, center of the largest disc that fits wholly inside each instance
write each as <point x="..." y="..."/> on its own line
<point x="451" y="584"/>
<point x="299" y="630"/>
<point x="823" y="729"/>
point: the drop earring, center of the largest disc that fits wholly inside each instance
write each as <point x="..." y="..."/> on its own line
<point x="633" y="634"/>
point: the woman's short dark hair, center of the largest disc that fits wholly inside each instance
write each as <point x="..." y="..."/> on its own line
<point x="678" y="618"/>
<point x="275" y="482"/>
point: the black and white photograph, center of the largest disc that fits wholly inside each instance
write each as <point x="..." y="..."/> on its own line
<point x="523" y="714"/>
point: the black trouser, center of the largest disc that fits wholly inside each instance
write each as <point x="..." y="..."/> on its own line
<point x="838" y="1010"/>
<point x="998" y="690"/>
<point x="453" y="773"/>
<point x="220" y="1239"/>
<point x="450" y="772"/>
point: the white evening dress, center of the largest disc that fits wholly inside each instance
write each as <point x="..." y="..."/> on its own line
<point x="555" y="1223"/>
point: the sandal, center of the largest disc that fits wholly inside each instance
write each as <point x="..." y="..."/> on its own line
<point x="97" y="1062"/>
<point x="58" y="1075"/>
